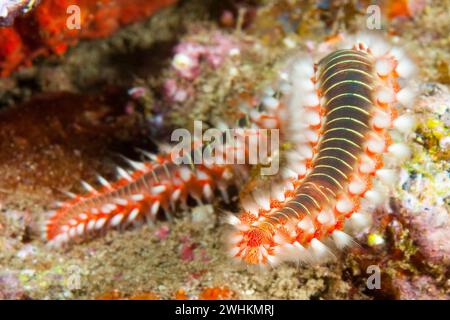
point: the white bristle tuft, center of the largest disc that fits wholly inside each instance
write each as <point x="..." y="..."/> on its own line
<point x="406" y="97"/>
<point x="405" y="123"/>
<point x="90" y="225"/>
<point x="108" y="208"/>
<point x="306" y="225"/>
<point x="270" y="103"/>
<point x="326" y="217"/>
<point x="387" y="176"/>
<point x="234" y="251"/>
<point x="279" y="239"/>
<point x="379" y="47"/>
<point x="277" y="193"/>
<point x="222" y="126"/>
<point x="356" y="186"/>
<point x="376" y="144"/>
<point x="320" y="251"/>
<point x="288" y="185"/>
<point x="374" y="197"/>
<point x="298" y="168"/>
<point x="154" y="209"/>
<point x="385" y="95"/>
<point x="283" y="75"/>
<point x="284" y="251"/>
<point x="133" y="215"/>
<point x="287" y="173"/>
<point x="344" y="205"/>
<point x="103" y="182"/>
<point x="55" y="242"/>
<point x="269" y="91"/>
<point x="311" y="100"/>
<point x="359" y="220"/>
<point x="304" y="68"/>
<point x="250" y="206"/>
<point x="147" y="154"/>
<point x="397" y="53"/>
<point x="298" y="253"/>
<point x="185" y="174"/>
<point x="363" y="38"/>
<point x="233" y="220"/>
<point x="100" y="223"/>
<point x="405" y="68"/>
<point x="312" y="136"/>
<point x="272" y="260"/>
<point x="137" y="197"/>
<point x="122" y="173"/>
<point x="312" y="118"/>
<point x="207" y="191"/>
<point x="135" y="164"/>
<point x="367" y="165"/>
<point x="80" y="229"/>
<point x="175" y="195"/>
<point x="158" y="189"/>
<point x="121" y="202"/>
<point x="202" y="175"/>
<point x="117" y="219"/>
<point x="70" y="194"/>
<point x="235" y="239"/>
<point x="341" y="239"/>
<point x="88" y="187"/>
<point x="305" y="151"/>
<point x="262" y="199"/>
<point x="307" y="85"/>
<point x="381" y="119"/>
<point x="64" y="237"/>
<point x="384" y="66"/>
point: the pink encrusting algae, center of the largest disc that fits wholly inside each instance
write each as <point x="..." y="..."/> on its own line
<point x="340" y="118"/>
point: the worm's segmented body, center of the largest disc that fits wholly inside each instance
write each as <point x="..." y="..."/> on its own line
<point x="339" y="171"/>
